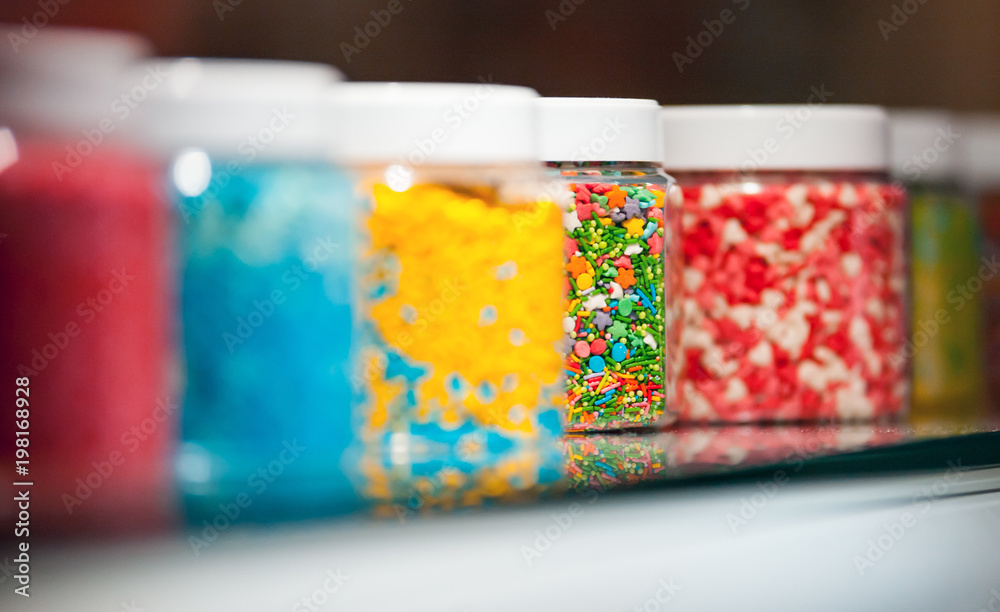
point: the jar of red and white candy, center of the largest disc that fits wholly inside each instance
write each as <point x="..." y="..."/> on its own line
<point x="795" y="280"/>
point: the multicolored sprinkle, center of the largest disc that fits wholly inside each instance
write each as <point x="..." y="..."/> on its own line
<point x="615" y="317"/>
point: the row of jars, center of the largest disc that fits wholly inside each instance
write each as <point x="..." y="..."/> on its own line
<point x="411" y="265"/>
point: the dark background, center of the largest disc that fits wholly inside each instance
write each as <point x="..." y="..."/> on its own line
<point x="947" y="53"/>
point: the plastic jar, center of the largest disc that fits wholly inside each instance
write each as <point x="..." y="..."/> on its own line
<point x="619" y="312"/>
<point x="86" y="283"/>
<point x="944" y="256"/>
<point x="266" y="281"/>
<point x="795" y="280"/>
<point x="979" y="148"/>
<point x="460" y="264"/>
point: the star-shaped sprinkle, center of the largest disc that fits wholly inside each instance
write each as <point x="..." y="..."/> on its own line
<point x="616" y="197"/>
<point x="570" y="221"/>
<point x="601" y="320"/>
<point x="577" y="266"/>
<point x="633" y="227"/>
<point x="626" y="277"/>
<point x="618" y="215"/>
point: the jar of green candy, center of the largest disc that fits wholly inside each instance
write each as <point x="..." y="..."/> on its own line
<point x="944" y="258"/>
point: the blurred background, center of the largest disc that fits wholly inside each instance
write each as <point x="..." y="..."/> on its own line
<point x="944" y="54"/>
<point x="897" y="53"/>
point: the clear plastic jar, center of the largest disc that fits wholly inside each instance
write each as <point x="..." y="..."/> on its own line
<point x="460" y="264"/>
<point x="945" y="251"/>
<point x="86" y="277"/>
<point x="795" y="279"/>
<point x="619" y="314"/>
<point x="979" y="168"/>
<point x="266" y="283"/>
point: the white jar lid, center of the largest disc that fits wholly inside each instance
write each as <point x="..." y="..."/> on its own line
<point x="979" y="150"/>
<point x="62" y="80"/>
<point x="775" y="137"/>
<point x="412" y="124"/>
<point x="598" y="129"/>
<point x="240" y="109"/>
<point x="924" y="145"/>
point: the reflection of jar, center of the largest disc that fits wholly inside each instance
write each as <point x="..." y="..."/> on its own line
<point x="947" y="360"/>
<point x="619" y="315"/>
<point x="599" y="462"/>
<point x="979" y="147"/>
<point x="265" y="282"/>
<point x="795" y="273"/>
<point x="86" y="283"/>
<point x="461" y="264"/>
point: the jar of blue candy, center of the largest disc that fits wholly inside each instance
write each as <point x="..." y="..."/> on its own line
<point x="265" y="288"/>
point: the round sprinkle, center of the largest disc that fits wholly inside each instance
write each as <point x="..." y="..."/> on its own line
<point x="581" y="349"/>
<point x="596" y="364"/>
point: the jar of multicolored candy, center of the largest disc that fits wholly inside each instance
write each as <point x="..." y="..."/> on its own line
<point x="266" y="279"/>
<point x="979" y="168"/>
<point x="944" y="257"/>
<point x="460" y="264"/>
<point x="795" y="286"/>
<point x="622" y="264"/>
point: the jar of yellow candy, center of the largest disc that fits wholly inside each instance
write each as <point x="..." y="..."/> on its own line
<point x="461" y="266"/>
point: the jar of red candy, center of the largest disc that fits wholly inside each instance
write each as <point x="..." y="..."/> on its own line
<point x="795" y="287"/>
<point x="86" y="276"/>
<point x="620" y="319"/>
